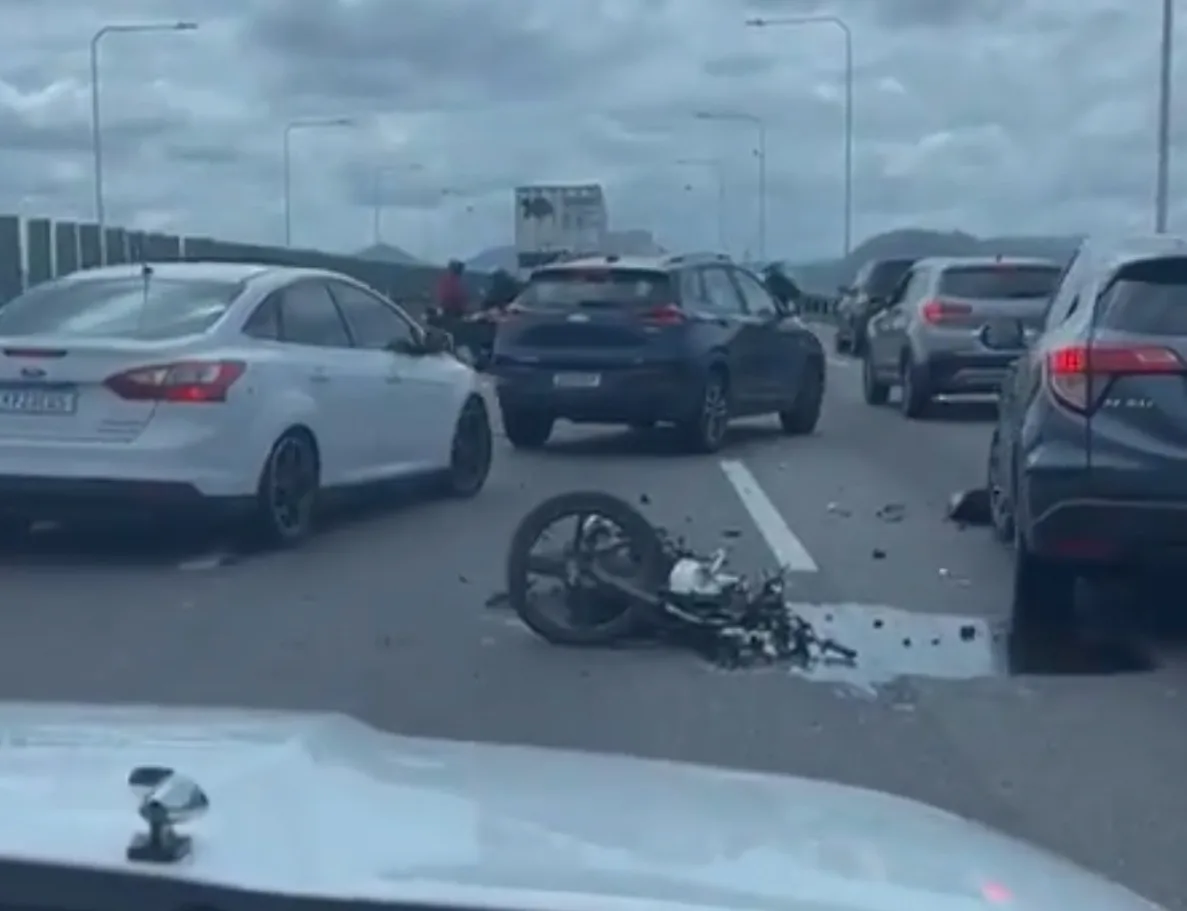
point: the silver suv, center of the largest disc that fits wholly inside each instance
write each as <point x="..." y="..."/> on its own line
<point x="925" y="338"/>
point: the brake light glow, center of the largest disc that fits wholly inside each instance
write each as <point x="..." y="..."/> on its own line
<point x="183" y="381"/>
<point x="1079" y="376"/>
<point x="938" y="312"/>
<point x="997" y="894"/>
<point x="664" y="315"/>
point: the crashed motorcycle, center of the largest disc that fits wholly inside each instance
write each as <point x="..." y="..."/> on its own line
<point x="616" y="577"/>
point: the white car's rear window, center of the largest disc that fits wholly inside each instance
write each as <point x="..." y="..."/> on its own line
<point x="131" y="308"/>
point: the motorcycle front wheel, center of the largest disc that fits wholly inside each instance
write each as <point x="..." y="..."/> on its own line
<point x="602" y="531"/>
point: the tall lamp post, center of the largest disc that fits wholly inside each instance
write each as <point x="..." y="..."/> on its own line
<point x="310" y="123"/>
<point x="717" y="166"/>
<point x="847" y="33"/>
<point x="1162" y="191"/>
<point x="96" y="123"/>
<point x="761" y="125"/>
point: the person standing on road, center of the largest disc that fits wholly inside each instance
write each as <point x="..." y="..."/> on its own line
<point x="452" y="299"/>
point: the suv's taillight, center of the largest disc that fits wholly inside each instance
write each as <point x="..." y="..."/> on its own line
<point x="182" y="381"/>
<point x="1079" y="376"/>
<point x="664" y="315"/>
<point x="939" y="313"/>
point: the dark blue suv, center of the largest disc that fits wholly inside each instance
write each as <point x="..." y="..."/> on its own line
<point x="1087" y="468"/>
<point x="691" y="340"/>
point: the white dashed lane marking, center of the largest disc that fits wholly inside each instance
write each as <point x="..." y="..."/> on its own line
<point x="787" y="548"/>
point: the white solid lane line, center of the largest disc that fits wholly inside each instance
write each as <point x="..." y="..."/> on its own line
<point x="787" y="548"/>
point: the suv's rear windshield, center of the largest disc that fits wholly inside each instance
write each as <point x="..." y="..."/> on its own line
<point x="561" y="289"/>
<point x="1148" y="298"/>
<point x="129" y="308"/>
<point x="999" y="281"/>
<point x="885" y="276"/>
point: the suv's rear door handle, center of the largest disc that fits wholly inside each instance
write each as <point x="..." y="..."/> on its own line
<point x="319" y="375"/>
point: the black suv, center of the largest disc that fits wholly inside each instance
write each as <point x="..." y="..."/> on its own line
<point x="690" y="340"/>
<point x="871" y="288"/>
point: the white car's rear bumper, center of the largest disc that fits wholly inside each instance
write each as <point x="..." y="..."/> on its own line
<point x="158" y="472"/>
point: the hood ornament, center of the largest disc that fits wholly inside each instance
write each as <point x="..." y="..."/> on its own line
<point x="166" y="800"/>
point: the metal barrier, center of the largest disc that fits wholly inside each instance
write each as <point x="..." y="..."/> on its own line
<point x="816" y="308"/>
<point x="33" y="250"/>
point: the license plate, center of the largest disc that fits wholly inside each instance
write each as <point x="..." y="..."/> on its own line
<point x="38" y="401"/>
<point x="577" y="380"/>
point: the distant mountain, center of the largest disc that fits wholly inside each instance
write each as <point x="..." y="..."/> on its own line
<point x="386" y="253"/>
<point x="824" y="276"/>
<point x="636" y="242"/>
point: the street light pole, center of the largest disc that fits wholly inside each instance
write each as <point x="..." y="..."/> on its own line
<point x="96" y="123"/>
<point x="289" y="128"/>
<point x="716" y="165"/>
<point x="761" y="152"/>
<point x="847" y="33"/>
<point x="762" y="191"/>
<point x="1162" y="191"/>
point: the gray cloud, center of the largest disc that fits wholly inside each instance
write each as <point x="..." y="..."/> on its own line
<point x="1027" y="116"/>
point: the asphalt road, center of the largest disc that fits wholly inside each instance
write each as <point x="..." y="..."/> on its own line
<point x="383" y="617"/>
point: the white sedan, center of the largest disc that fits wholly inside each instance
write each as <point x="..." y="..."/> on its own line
<point x="235" y="391"/>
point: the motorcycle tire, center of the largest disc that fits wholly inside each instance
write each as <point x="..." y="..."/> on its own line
<point x="647" y="549"/>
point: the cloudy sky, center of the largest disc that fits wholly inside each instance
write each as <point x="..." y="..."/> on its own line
<point x="1020" y="116"/>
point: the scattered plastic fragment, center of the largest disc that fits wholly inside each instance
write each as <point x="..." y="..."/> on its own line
<point x="838" y="510"/>
<point x="970" y="507"/>
<point x="498" y="601"/>
<point x="892" y="512"/>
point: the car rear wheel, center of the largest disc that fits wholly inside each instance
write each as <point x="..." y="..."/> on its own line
<point x="804" y="415"/>
<point x="706" y="430"/>
<point x="913" y="389"/>
<point x="1043" y="613"/>
<point x="873" y="390"/>
<point x="527" y="429"/>
<point x="471" y="453"/>
<point x="997" y="482"/>
<point x="286" y="498"/>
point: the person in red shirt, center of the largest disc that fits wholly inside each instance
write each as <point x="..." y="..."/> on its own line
<point x="452" y="298"/>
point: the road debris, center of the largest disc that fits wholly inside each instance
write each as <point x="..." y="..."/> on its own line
<point x="892" y="512"/>
<point x="970" y="507"/>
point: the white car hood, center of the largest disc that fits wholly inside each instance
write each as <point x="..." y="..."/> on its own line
<point x="324" y="805"/>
